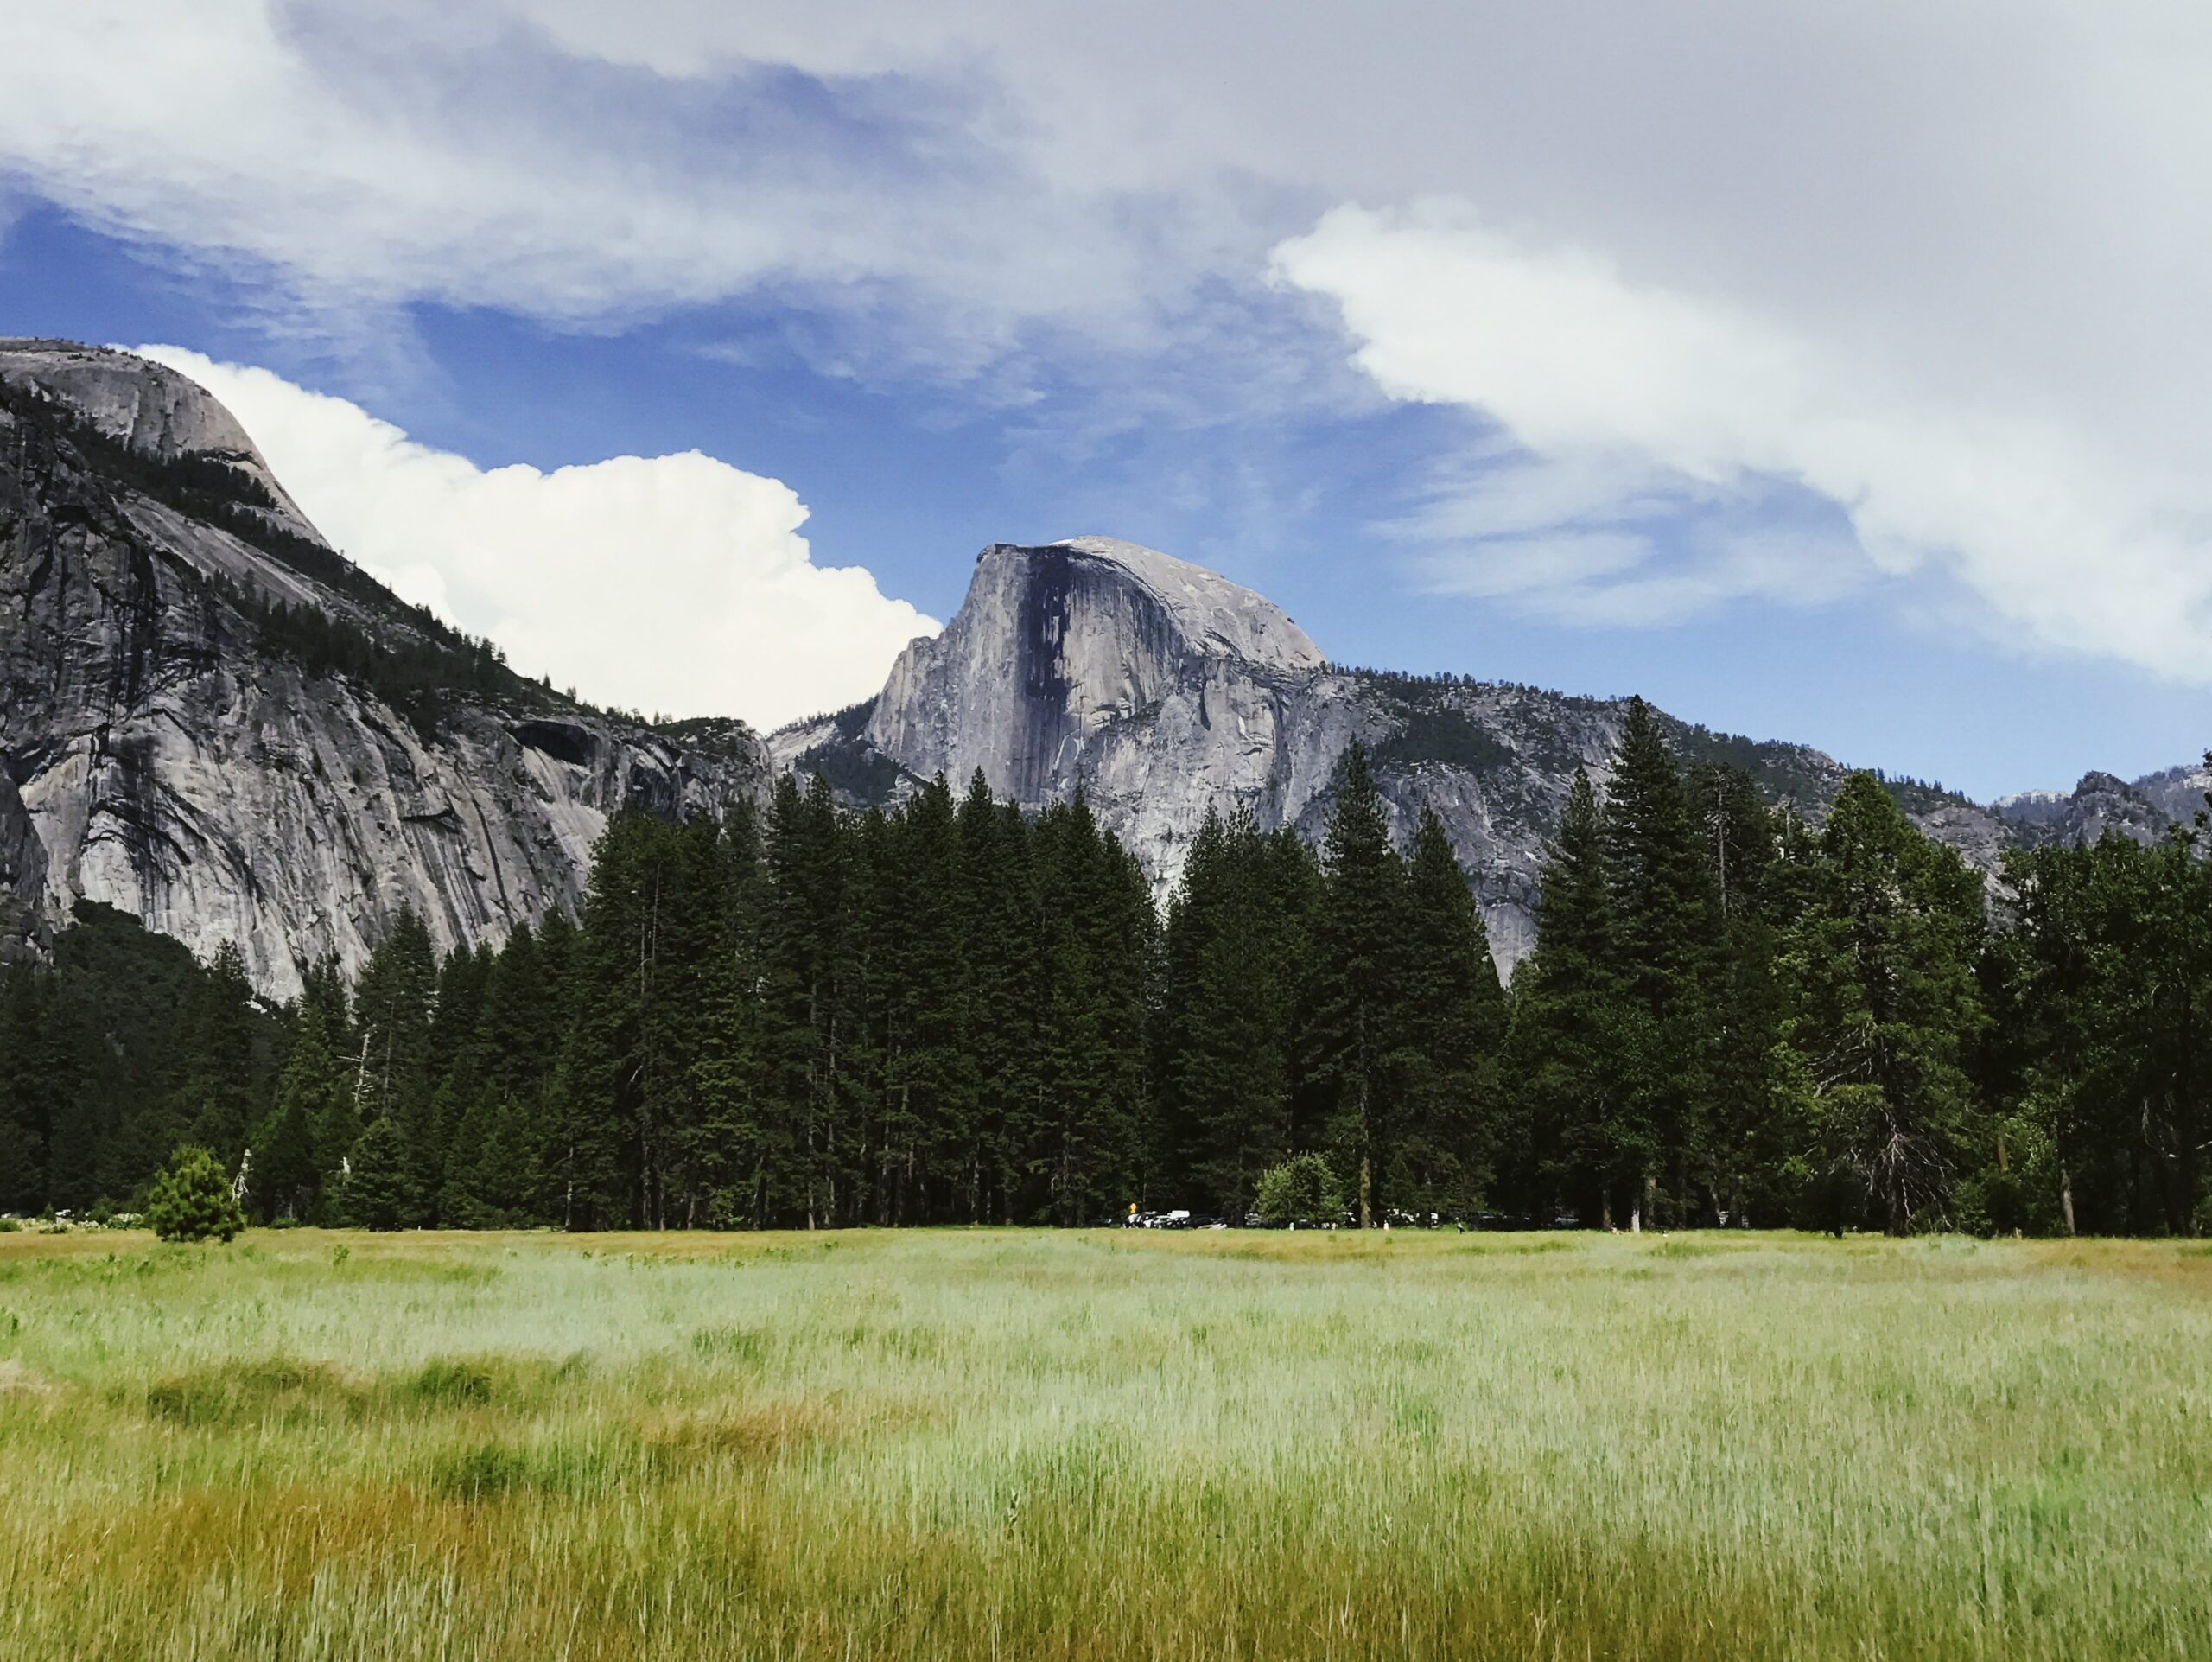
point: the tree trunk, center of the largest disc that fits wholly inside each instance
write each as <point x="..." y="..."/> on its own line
<point x="2066" y="1198"/>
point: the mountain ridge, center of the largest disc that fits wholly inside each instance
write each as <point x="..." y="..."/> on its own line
<point x="214" y="721"/>
<point x="1061" y="671"/>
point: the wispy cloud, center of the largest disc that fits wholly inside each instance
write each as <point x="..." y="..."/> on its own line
<point x="1629" y="397"/>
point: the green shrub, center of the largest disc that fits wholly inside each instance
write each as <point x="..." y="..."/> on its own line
<point x="192" y="1201"/>
<point x="1301" y="1188"/>
<point x="451" y="1384"/>
<point x="480" y="1473"/>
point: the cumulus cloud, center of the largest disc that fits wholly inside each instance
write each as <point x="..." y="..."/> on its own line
<point x="676" y="584"/>
<point x="2068" y="541"/>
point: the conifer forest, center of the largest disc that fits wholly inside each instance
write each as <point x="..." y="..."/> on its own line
<point x="952" y="1012"/>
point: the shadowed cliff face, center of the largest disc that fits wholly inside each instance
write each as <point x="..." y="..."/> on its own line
<point x="1059" y="650"/>
<point x="169" y="755"/>
<point x="1163" y="692"/>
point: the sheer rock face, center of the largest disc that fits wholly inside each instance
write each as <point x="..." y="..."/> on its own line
<point x="1098" y="662"/>
<point x="23" y="932"/>
<point x="165" y="762"/>
<point x="1162" y="692"/>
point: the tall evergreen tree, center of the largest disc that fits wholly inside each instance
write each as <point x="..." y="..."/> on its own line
<point x="1450" y="1020"/>
<point x="1233" y="960"/>
<point x="1882" y="1008"/>
<point x="394" y="1074"/>
<point x="1097" y="937"/>
<point x="729" y="1146"/>
<point x="1739" y="1154"/>
<point x="624" y="1083"/>
<point x="918" y="928"/>
<point x="301" y="1146"/>
<point x="1354" y="988"/>
<point x="1662" y="920"/>
<point x="1002" y="915"/>
<point x="804" y="1027"/>
<point x="215" y="1101"/>
<point x="28" y="1078"/>
<point x="1572" y="1049"/>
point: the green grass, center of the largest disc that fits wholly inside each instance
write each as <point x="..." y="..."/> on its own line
<point x="1019" y="1445"/>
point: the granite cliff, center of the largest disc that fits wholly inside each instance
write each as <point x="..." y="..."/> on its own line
<point x="1162" y="691"/>
<point x="211" y="720"/>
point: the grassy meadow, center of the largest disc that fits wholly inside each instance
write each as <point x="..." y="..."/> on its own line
<point x="980" y="1444"/>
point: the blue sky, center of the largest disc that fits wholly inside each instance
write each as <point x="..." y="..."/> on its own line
<point x="1835" y="378"/>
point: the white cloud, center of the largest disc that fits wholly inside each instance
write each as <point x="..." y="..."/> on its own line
<point x="356" y="155"/>
<point x="1582" y="535"/>
<point x="676" y="584"/>
<point x="1941" y="264"/>
<point x="2066" y="539"/>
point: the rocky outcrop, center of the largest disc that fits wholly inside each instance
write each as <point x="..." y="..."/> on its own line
<point x="171" y="755"/>
<point x="1163" y="692"/>
<point x="23" y="932"/>
<point x="2104" y="803"/>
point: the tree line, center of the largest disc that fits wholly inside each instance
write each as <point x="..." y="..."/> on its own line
<point x="953" y="1012"/>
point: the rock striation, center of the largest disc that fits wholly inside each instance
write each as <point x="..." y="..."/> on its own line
<point x="1163" y="692"/>
<point x="164" y="750"/>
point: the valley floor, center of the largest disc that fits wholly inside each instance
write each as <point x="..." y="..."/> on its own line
<point x="967" y="1444"/>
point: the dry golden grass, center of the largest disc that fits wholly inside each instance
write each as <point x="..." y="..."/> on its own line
<point x="1018" y="1444"/>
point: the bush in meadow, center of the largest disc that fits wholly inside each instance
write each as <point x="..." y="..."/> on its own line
<point x="192" y="1199"/>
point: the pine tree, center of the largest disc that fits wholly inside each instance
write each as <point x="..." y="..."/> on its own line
<point x="378" y="1192"/>
<point x="931" y="1086"/>
<point x="1739" y="1153"/>
<point x="623" y="1084"/>
<point x="394" y="1003"/>
<point x="688" y="999"/>
<point x="1233" y="959"/>
<point x="2105" y="982"/>
<point x="1096" y="941"/>
<point x="1565" y="1046"/>
<point x="805" y="1023"/>
<point x="1354" y="996"/>
<point x="299" y="1147"/>
<point x="1002" y="923"/>
<point x="215" y="1101"/>
<point x="487" y="1183"/>
<point x="459" y="1059"/>
<point x="323" y="989"/>
<point x="1451" y="1020"/>
<point x="1882" y="1008"/>
<point x="26" y="1090"/>
<point x="1663" y="928"/>
<point x="191" y="1199"/>
<point x="281" y="1186"/>
<point x="725" y="1071"/>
